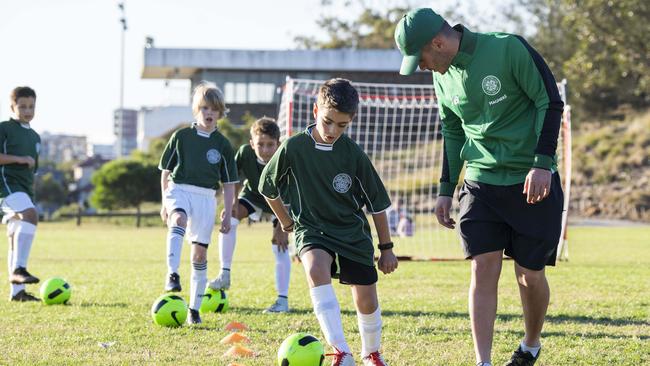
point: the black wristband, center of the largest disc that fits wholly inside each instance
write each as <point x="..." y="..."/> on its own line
<point x="385" y="246"/>
<point x="288" y="227"/>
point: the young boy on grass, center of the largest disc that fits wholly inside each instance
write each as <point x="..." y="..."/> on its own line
<point x="194" y="163"/>
<point x="328" y="180"/>
<point x="19" y="146"/>
<point x="251" y="159"/>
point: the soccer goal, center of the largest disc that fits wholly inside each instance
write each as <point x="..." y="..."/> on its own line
<point x="398" y="126"/>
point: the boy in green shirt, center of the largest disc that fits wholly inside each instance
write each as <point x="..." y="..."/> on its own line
<point x="251" y="159"/>
<point x="194" y="163"/>
<point x="18" y="163"/>
<point x="327" y="180"/>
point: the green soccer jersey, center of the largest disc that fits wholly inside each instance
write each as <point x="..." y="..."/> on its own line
<point x="500" y="110"/>
<point x="20" y="140"/>
<point x="327" y="187"/>
<point x="198" y="158"/>
<point x="249" y="169"/>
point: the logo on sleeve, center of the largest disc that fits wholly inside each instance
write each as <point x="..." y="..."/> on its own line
<point x="491" y="85"/>
<point x="342" y="183"/>
<point x="213" y="156"/>
<point x="38" y="147"/>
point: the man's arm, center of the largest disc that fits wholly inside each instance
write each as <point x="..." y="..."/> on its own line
<point x="280" y="211"/>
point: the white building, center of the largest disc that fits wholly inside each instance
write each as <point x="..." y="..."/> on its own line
<point x="62" y="148"/>
<point x="125" y="123"/>
<point x="153" y="122"/>
<point x="107" y="152"/>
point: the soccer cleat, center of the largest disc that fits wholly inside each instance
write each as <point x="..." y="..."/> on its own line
<point x="173" y="283"/>
<point x="281" y="305"/>
<point x="23" y="296"/>
<point x="342" y="358"/>
<point x="374" y="359"/>
<point x="522" y="358"/>
<point x="222" y="282"/>
<point x="21" y="276"/>
<point x="194" y="317"/>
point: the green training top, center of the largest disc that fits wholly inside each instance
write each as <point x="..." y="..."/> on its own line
<point x="500" y="111"/>
<point x="249" y="169"/>
<point x="327" y="186"/>
<point x="18" y="139"/>
<point x="198" y="158"/>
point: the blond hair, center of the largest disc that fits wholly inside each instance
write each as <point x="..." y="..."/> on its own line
<point x="209" y="94"/>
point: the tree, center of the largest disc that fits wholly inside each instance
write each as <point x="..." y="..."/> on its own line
<point x="49" y="192"/>
<point x="125" y="183"/>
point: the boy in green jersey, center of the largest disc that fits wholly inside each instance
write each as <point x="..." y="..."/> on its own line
<point x="196" y="160"/>
<point x="500" y="112"/>
<point x="251" y="159"/>
<point x="20" y="145"/>
<point x="327" y="180"/>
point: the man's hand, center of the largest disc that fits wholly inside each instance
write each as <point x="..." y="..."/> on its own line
<point x="280" y="238"/>
<point x="443" y="208"/>
<point x="537" y="185"/>
<point x="387" y="261"/>
<point x="27" y="160"/>
<point x="163" y="213"/>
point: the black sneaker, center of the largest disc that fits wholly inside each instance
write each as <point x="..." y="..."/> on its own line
<point x="173" y="283"/>
<point x="23" y="296"/>
<point x="194" y="317"/>
<point x="521" y="358"/>
<point x="21" y="276"/>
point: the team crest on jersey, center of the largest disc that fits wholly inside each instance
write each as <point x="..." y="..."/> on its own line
<point x="455" y="100"/>
<point x="491" y="85"/>
<point x="213" y="156"/>
<point x="342" y="183"/>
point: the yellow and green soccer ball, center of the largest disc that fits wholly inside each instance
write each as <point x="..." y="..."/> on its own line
<point x="55" y="291"/>
<point x="169" y="311"/>
<point x="301" y="349"/>
<point x="214" y="301"/>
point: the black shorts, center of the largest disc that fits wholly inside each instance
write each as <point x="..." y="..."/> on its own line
<point x="350" y="272"/>
<point x="498" y="218"/>
<point x="249" y="208"/>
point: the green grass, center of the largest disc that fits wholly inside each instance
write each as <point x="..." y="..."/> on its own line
<point x="599" y="312"/>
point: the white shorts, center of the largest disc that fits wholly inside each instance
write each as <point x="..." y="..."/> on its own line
<point x="200" y="206"/>
<point x="14" y="203"/>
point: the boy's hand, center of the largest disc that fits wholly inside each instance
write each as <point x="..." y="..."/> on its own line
<point x="163" y="214"/>
<point x="225" y="225"/>
<point x="387" y="261"/>
<point x="443" y="208"/>
<point x="27" y="160"/>
<point x="280" y="238"/>
<point x="537" y="185"/>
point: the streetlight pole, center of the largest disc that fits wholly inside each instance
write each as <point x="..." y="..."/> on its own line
<point x="120" y="5"/>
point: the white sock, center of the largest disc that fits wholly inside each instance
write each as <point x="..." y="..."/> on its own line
<point x="533" y="350"/>
<point x="197" y="286"/>
<point x="174" y="247"/>
<point x="282" y="271"/>
<point x="227" y="244"/>
<point x="328" y="313"/>
<point x="370" y="330"/>
<point x="11" y="256"/>
<point x="23" y="238"/>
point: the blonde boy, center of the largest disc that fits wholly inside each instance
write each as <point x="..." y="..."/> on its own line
<point x="328" y="180"/>
<point x="195" y="162"/>
<point x="251" y="159"/>
<point x="18" y="163"/>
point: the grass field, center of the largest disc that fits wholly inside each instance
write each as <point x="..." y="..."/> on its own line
<point x="599" y="312"/>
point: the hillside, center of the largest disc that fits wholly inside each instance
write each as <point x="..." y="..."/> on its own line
<point x="611" y="169"/>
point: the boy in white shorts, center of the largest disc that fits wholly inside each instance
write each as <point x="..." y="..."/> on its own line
<point x="19" y="146"/>
<point x="195" y="162"/>
<point x="251" y="159"/>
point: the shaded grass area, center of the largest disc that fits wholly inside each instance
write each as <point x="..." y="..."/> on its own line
<point x="599" y="312"/>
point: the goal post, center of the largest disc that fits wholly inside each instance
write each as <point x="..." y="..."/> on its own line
<point x="398" y="127"/>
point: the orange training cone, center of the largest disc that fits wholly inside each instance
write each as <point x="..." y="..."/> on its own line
<point x="235" y="338"/>
<point x="238" y="351"/>
<point x="236" y="326"/>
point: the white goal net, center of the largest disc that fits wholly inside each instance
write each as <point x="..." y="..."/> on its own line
<point x="398" y="126"/>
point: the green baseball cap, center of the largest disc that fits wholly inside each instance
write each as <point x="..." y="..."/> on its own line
<point x="414" y="30"/>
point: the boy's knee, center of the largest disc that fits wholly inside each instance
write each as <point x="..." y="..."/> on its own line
<point x="178" y="219"/>
<point x="29" y="215"/>
<point x="319" y="274"/>
<point x="531" y="279"/>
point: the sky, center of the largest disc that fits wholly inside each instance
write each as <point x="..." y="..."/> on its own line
<point x="69" y="50"/>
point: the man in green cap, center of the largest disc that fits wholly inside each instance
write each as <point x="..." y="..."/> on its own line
<point x="500" y="111"/>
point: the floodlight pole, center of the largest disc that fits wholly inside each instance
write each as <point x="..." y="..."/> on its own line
<point x="120" y="5"/>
